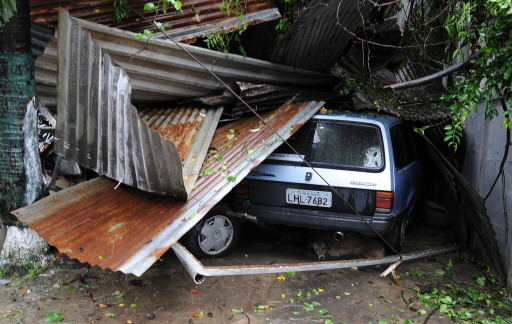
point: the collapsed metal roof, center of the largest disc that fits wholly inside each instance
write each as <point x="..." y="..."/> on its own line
<point x="127" y="230"/>
<point x="160" y="70"/>
<point x="97" y="125"/>
<point x="196" y="18"/>
<point x="318" y="37"/>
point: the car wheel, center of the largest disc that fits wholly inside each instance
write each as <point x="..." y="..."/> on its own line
<point x="214" y="236"/>
<point x="397" y="236"/>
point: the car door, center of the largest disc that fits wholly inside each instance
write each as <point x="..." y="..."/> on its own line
<point x="407" y="168"/>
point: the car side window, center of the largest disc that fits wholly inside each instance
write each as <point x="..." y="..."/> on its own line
<point x="404" y="151"/>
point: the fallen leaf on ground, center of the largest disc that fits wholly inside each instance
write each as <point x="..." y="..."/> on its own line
<point x="197" y="314"/>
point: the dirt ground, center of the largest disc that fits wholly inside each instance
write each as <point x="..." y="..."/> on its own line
<point x="167" y="294"/>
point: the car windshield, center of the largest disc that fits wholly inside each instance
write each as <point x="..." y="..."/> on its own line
<point x="335" y="144"/>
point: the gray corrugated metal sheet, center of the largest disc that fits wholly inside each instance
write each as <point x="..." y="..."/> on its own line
<point x="44" y="70"/>
<point x="190" y="129"/>
<point x="160" y="71"/>
<point x="315" y="41"/>
<point x="127" y="230"/>
<point x="99" y="127"/>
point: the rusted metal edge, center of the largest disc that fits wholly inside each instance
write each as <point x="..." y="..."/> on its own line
<point x="192" y="162"/>
<point x="187" y="34"/>
<point x="197" y="208"/>
<point x="198" y="272"/>
<point x="124" y="229"/>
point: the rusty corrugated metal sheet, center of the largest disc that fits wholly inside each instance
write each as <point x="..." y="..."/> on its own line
<point x="127" y="230"/>
<point x="161" y="71"/>
<point x="196" y="19"/>
<point x="316" y="40"/>
<point x="190" y="129"/>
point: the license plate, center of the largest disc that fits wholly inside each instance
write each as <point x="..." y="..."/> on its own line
<point x="308" y="197"/>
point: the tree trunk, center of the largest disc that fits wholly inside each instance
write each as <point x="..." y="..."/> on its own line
<point x="17" y="125"/>
<point x="20" y="167"/>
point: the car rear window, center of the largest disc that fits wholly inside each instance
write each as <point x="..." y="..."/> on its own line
<point x="342" y="145"/>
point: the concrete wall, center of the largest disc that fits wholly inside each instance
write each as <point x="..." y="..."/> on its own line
<point x="485" y="145"/>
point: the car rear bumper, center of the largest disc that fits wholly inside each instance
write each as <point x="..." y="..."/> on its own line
<point x="316" y="219"/>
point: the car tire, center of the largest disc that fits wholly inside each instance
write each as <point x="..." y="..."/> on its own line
<point x="396" y="236"/>
<point x="216" y="235"/>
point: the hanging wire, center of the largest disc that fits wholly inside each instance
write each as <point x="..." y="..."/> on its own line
<point x="277" y="134"/>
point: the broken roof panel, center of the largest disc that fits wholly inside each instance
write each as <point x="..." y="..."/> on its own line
<point x="197" y="18"/>
<point x="161" y="71"/>
<point x="127" y="230"/>
<point x="322" y="31"/>
<point x="98" y="127"/>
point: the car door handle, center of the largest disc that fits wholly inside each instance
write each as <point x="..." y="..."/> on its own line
<point x="309" y="175"/>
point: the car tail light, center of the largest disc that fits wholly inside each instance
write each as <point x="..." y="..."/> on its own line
<point x="384" y="201"/>
<point x="241" y="190"/>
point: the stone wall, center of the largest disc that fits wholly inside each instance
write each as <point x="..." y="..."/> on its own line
<point x="485" y="146"/>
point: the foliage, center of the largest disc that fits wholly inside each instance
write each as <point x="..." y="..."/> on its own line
<point x="290" y="12"/>
<point x="54" y="317"/>
<point x="7" y="9"/>
<point x="483" y="26"/>
<point x="221" y="40"/>
<point x="33" y="269"/>
<point x="483" y="302"/>
<point x="435" y="35"/>
<point x="346" y="84"/>
<point x="163" y="5"/>
<point x="121" y="10"/>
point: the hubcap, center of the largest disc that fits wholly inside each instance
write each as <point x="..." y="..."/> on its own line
<point x="216" y="235"/>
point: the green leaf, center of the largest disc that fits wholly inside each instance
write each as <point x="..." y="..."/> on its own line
<point x="177" y="5"/>
<point x="480" y="281"/>
<point x="230" y="136"/>
<point x="439" y="272"/>
<point x="254" y="130"/>
<point x="322" y="312"/>
<point x="231" y="178"/>
<point x="149" y="6"/>
<point x="206" y="172"/>
<point x="473" y="293"/>
<point x="54" y="317"/>
<point x="237" y="310"/>
<point x="110" y="314"/>
<point x="118" y="294"/>
<point x="192" y="215"/>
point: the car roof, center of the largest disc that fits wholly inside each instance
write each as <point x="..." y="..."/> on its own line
<point x="373" y="118"/>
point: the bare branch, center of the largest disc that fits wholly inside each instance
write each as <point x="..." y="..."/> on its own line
<point x="434" y="76"/>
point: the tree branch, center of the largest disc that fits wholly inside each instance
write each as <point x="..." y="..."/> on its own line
<point x="505" y="154"/>
<point x="432" y="77"/>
